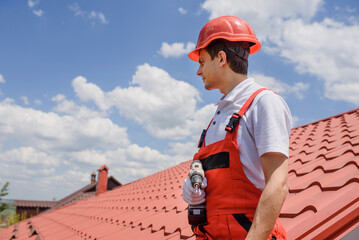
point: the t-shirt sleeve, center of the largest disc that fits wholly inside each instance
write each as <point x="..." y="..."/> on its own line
<point x="271" y="122"/>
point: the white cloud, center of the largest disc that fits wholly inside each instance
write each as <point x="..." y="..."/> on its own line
<point x="38" y="13"/>
<point x="268" y="9"/>
<point x="176" y="49"/>
<point x="265" y="17"/>
<point x="50" y="132"/>
<point x="136" y="162"/>
<point x="295" y="121"/>
<point x="343" y="91"/>
<point x="75" y="7"/>
<point x="298" y="89"/>
<point x="89" y="15"/>
<point x="28" y="155"/>
<point x="2" y="79"/>
<point x="182" y="11"/>
<point x="58" y="98"/>
<point x="32" y="4"/>
<point x="25" y="100"/>
<point x="71" y="108"/>
<point x="145" y="154"/>
<point x="326" y="49"/>
<point x="47" y="181"/>
<point x="346" y="9"/>
<point x="184" y="151"/>
<point x="98" y="16"/>
<point x="164" y="106"/>
<point x="155" y="94"/>
<point x="90" y="156"/>
<point x="89" y="91"/>
<point x="70" y="175"/>
<point x="25" y="174"/>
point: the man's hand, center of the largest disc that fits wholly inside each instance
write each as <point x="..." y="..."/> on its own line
<point x="275" y="168"/>
<point x="189" y="194"/>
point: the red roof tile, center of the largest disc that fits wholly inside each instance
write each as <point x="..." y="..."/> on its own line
<point x="323" y="201"/>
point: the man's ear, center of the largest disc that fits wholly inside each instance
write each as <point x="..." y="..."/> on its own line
<point x="222" y="58"/>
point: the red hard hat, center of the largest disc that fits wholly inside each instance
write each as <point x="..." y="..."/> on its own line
<point x="227" y="27"/>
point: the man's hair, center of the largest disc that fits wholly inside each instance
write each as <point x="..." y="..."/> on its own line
<point x="236" y="57"/>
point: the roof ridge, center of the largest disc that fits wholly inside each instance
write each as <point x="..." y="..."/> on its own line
<point x="323" y="189"/>
<point x="352" y="162"/>
<point x="305" y="209"/>
<point x="327" y="118"/>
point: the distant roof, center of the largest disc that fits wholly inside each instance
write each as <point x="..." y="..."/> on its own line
<point x="323" y="201"/>
<point x="31" y="203"/>
<point x="86" y="192"/>
<point x="83" y="193"/>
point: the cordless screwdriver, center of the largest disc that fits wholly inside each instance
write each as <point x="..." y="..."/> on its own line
<point x="196" y="213"/>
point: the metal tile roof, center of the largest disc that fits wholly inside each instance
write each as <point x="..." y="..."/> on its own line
<point x="323" y="201"/>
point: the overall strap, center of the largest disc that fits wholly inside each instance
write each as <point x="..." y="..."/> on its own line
<point x="201" y="142"/>
<point x="232" y="126"/>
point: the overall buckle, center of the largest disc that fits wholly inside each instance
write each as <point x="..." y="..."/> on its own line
<point x="201" y="140"/>
<point x="233" y="122"/>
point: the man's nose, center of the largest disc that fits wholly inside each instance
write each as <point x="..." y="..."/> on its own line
<point x="199" y="71"/>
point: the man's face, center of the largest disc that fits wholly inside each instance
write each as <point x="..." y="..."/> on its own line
<point x="208" y="70"/>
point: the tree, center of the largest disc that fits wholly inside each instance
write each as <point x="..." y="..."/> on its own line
<point x="3" y="192"/>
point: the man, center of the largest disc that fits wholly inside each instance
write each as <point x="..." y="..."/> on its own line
<point x="244" y="150"/>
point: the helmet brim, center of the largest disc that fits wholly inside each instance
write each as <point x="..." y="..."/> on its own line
<point x="194" y="55"/>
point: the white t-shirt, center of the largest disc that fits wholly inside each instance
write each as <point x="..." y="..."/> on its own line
<point x="265" y="127"/>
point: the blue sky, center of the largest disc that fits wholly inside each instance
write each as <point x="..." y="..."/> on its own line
<point x="87" y="83"/>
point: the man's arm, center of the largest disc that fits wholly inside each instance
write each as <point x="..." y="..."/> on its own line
<point x="275" y="168"/>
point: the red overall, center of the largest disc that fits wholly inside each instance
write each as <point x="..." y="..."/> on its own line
<point x="231" y="199"/>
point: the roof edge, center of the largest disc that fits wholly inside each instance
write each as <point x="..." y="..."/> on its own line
<point x="327" y="118"/>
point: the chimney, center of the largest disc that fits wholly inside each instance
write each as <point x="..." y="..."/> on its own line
<point x="93" y="177"/>
<point x="102" y="180"/>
